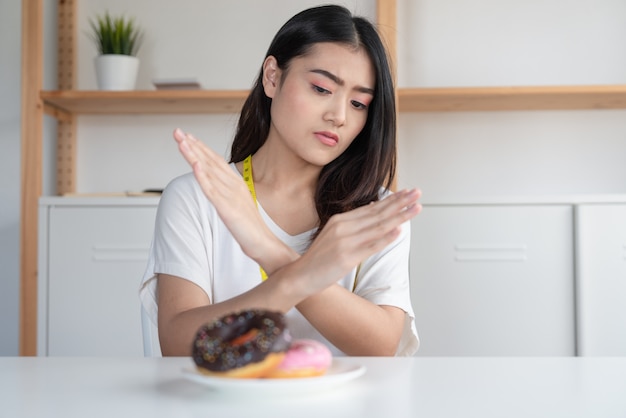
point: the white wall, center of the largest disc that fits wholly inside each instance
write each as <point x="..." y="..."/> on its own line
<point x="441" y="43"/>
<point x="9" y="174"/>
<point x="510" y="43"/>
<point x="221" y="45"/>
<point x="451" y="43"/>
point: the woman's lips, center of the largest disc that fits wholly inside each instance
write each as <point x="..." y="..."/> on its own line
<point x="327" y="138"/>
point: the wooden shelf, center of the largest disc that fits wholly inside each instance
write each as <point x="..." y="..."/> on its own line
<point x="512" y="98"/>
<point x="62" y="103"/>
<point x="83" y="102"/>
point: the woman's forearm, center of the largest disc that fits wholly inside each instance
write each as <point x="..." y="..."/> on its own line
<point x="184" y="308"/>
<point x="353" y="324"/>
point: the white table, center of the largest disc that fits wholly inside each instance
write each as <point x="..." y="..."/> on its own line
<point x="391" y="387"/>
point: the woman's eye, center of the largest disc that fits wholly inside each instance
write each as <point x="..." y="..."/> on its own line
<point x="321" y="90"/>
<point x="358" y="105"/>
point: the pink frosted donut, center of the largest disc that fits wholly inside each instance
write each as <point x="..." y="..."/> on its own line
<point x="305" y="358"/>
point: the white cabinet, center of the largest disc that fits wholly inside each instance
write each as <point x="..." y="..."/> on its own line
<point x="486" y="279"/>
<point x="601" y="279"/>
<point x="93" y="253"/>
<point x="494" y="280"/>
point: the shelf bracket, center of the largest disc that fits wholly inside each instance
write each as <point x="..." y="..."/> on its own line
<point x="59" y="114"/>
<point x="31" y="171"/>
<point x="66" y="126"/>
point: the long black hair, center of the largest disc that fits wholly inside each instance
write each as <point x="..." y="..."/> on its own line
<point x="355" y="177"/>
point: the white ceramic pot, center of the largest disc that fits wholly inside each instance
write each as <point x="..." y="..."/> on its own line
<point x="116" y="72"/>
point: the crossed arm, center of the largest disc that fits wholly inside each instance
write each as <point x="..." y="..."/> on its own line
<point x="307" y="282"/>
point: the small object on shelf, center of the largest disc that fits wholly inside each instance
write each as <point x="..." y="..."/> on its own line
<point x="176" y="84"/>
<point x="116" y="72"/>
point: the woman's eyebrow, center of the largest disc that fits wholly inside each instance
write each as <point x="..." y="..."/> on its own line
<point x="340" y="81"/>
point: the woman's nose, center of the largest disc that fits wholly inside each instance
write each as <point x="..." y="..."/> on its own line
<point x="336" y="113"/>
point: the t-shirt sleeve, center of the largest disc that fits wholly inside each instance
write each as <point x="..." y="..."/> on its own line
<point x="383" y="279"/>
<point x="181" y="236"/>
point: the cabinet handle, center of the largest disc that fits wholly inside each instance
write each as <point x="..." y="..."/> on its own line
<point x="119" y="253"/>
<point x="490" y="252"/>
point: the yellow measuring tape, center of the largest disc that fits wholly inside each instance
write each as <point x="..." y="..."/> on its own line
<point x="247" y="177"/>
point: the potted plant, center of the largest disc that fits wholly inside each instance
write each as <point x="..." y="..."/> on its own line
<point x="117" y="40"/>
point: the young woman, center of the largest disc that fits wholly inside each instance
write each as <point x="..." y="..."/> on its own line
<point x="301" y="220"/>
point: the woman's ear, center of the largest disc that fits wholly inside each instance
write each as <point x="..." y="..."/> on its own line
<point x="271" y="76"/>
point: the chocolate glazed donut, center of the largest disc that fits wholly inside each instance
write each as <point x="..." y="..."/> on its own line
<point x="239" y="340"/>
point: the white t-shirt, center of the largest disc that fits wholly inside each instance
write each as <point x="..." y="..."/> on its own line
<point x="191" y="241"/>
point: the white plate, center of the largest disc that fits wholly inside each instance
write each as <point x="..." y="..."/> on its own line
<point x="338" y="373"/>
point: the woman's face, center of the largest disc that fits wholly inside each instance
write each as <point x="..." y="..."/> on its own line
<point x="321" y="103"/>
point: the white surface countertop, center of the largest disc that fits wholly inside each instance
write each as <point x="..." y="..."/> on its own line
<point x="552" y="199"/>
<point x="100" y="200"/>
<point x="119" y="199"/>
<point x="391" y="387"/>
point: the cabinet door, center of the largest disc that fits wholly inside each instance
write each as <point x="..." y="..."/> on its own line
<point x="494" y="280"/>
<point x="96" y="257"/>
<point x="601" y="279"/>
